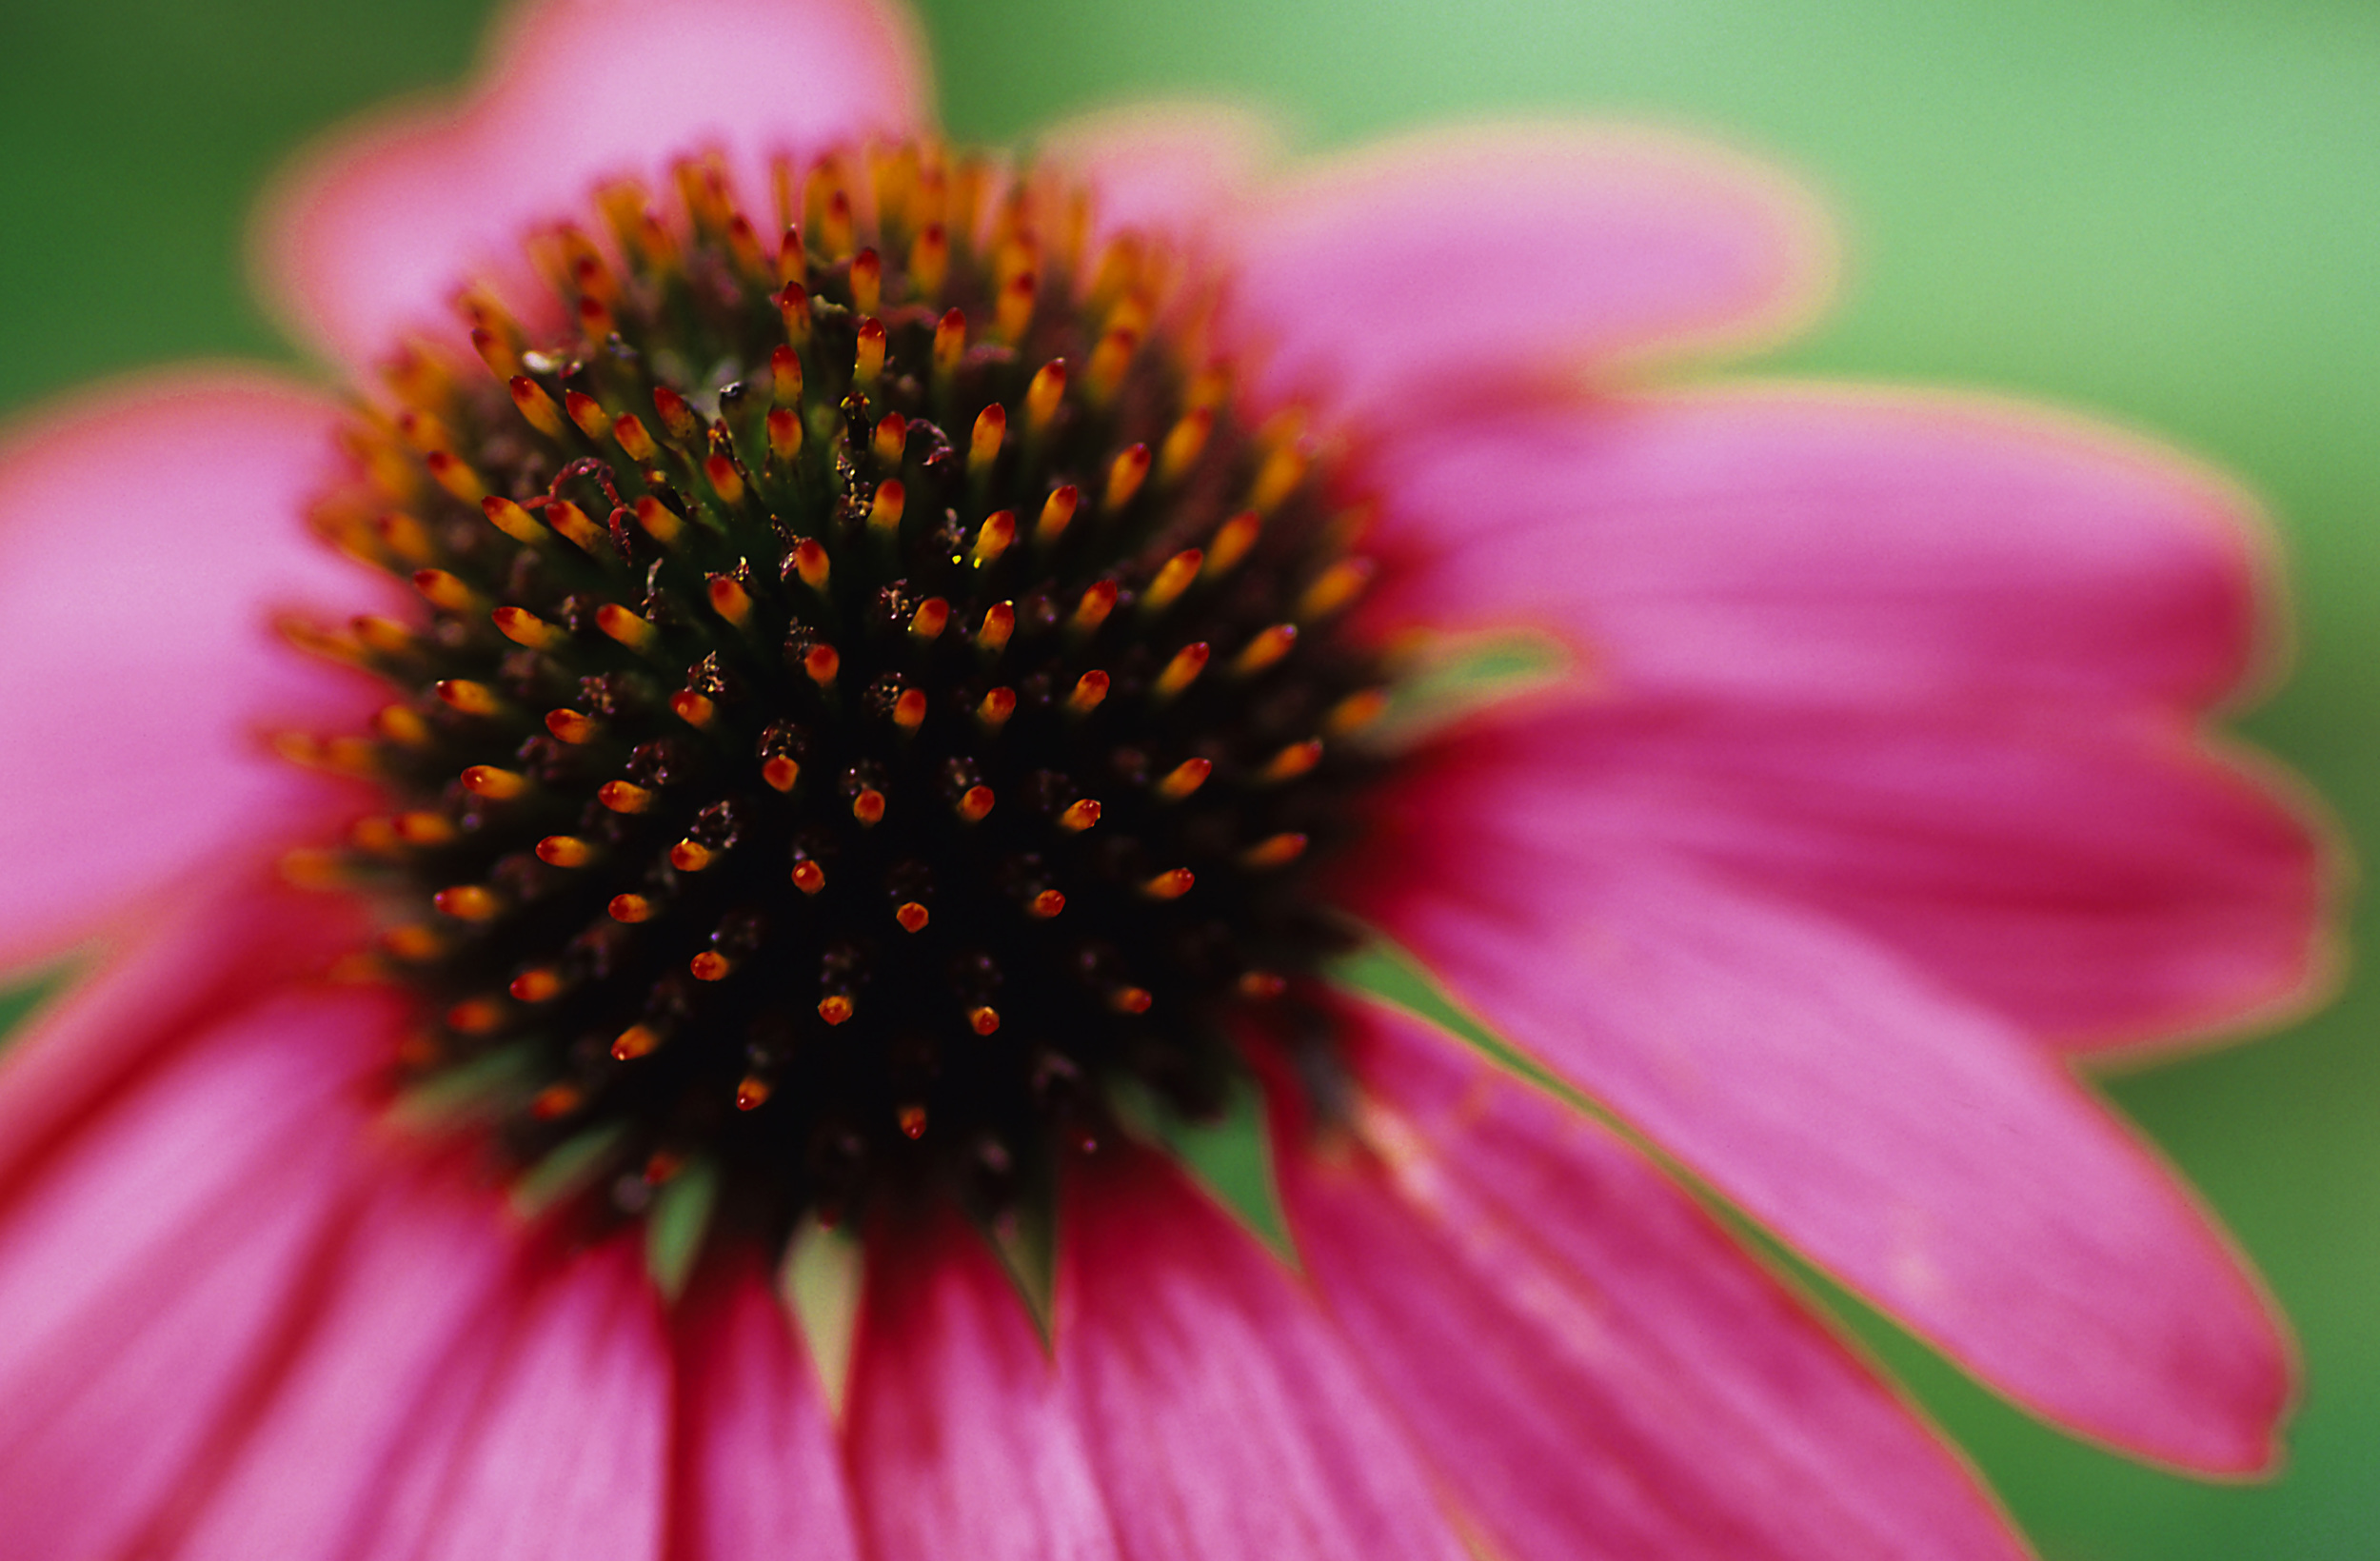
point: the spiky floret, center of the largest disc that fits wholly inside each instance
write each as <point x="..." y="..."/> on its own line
<point x="878" y="700"/>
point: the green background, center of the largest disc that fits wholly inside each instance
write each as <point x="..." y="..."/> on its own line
<point x="2166" y="211"/>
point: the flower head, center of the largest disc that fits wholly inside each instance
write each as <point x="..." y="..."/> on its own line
<point x="885" y="672"/>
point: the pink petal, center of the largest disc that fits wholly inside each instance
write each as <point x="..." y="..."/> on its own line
<point x="1176" y="167"/>
<point x="146" y="535"/>
<point x="1591" y="1362"/>
<point x="1832" y="547"/>
<point x="1400" y="282"/>
<point x="1223" y="1415"/>
<point x="1927" y="1153"/>
<point x="375" y="229"/>
<point x="959" y="1443"/>
<point x="422" y="1272"/>
<point x="758" y="1470"/>
<point x="565" y="1454"/>
<point x="2097" y="880"/>
<point x="153" y="1271"/>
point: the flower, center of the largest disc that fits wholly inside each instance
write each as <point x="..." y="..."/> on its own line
<point x="1876" y="791"/>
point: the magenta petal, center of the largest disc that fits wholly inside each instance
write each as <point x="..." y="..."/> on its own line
<point x="1398" y="282"/>
<point x="1927" y="1153"/>
<point x="153" y="1270"/>
<point x="1832" y="547"/>
<point x="377" y="228"/>
<point x="146" y="535"/>
<point x="1594" y="1365"/>
<point x="1226" y="1418"/>
<point x="959" y="1443"/>
<point x="2098" y="880"/>
<point x="758" y="1470"/>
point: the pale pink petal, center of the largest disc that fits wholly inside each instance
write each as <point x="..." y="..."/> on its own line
<point x="1591" y="1363"/>
<point x="425" y="1267"/>
<point x="375" y="230"/>
<point x="2098" y="880"/>
<point x="1831" y="547"/>
<point x="1398" y="283"/>
<point x="1224" y="1416"/>
<point x="155" y="1269"/>
<point x="959" y="1443"/>
<point x="563" y="1455"/>
<point x="758" y="1468"/>
<point x="148" y="533"/>
<point x="1932" y="1157"/>
<point x="1164" y="168"/>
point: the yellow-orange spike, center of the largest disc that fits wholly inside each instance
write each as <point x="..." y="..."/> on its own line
<point x="404" y="537"/>
<point x="570" y="726"/>
<point x="630" y="909"/>
<point x="1292" y="762"/>
<point x="493" y="783"/>
<point x="811" y="563"/>
<point x="595" y="319"/>
<point x="502" y="358"/>
<point x="1045" y="906"/>
<point x="868" y="807"/>
<point x="868" y="359"/>
<point x="1171" y="580"/>
<point x="1335" y="587"/>
<point x="726" y="481"/>
<point x="579" y="527"/>
<point x="1184" y="442"/>
<point x="729" y="599"/>
<point x="424" y="432"/>
<point x="1274" y="850"/>
<point x="784" y="434"/>
<point x="835" y="227"/>
<point x="821" y="664"/>
<point x="401" y="723"/>
<point x="1097" y="603"/>
<point x="983" y="1020"/>
<point x="1131" y="1000"/>
<point x="1265" y="650"/>
<point x="1080" y="816"/>
<point x="468" y="902"/>
<point x="932" y="616"/>
<point x="691" y="855"/>
<point x="784" y="376"/>
<point x="1089" y="690"/>
<point x="999" y="532"/>
<point x="676" y="419"/>
<point x="991" y="426"/>
<point x="1013" y="311"/>
<point x="423" y="827"/>
<point x="556" y="1100"/>
<point x="1232" y="541"/>
<point x="793" y="307"/>
<point x="316" y="641"/>
<point x="911" y="1118"/>
<point x="696" y="710"/>
<point x="891" y="440"/>
<point x="619" y="624"/>
<point x="445" y="591"/>
<point x="1262" y="985"/>
<point x="975" y="804"/>
<point x="1355" y="712"/>
<point x="1043" y="395"/>
<point x="884" y="511"/>
<point x="313" y="868"/>
<point x="375" y="834"/>
<point x="636" y="443"/>
<point x="912" y="916"/>
<point x="997" y="706"/>
<point x="867" y="282"/>
<point x="512" y="520"/>
<point x="950" y="343"/>
<point x="588" y="414"/>
<point x="476" y="1017"/>
<point x="1278" y="478"/>
<point x="710" y="965"/>
<point x="781" y="772"/>
<point x="1124" y="476"/>
<point x="751" y="1093"/>
<point x="1172" y="885"/>
<point x="835" y="1009"/>
<point x="1109" y="360"/>
<point x="808" y="876"/>
<point x="793" y="259"/>
<point x="385" y="635"/>
<point x="909" y="710"/>
<point x="536" y="406"/>
<point x="473" y="699"/>
<point x="658" y="520"/>
<point x="1182" y="671"/>
<point x="537" y="985"/>
<point x="929" y="261"/>
<point x="624" y="797"/>
<point x="635" y="1042"/>
<point x="413" y="943"/>
<point x="1184" y="778"/>
<point x="999" y="621"/>
<point x="564" y="851"/>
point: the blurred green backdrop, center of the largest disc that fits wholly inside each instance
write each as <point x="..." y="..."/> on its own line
<point x="2166" y="211"/>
